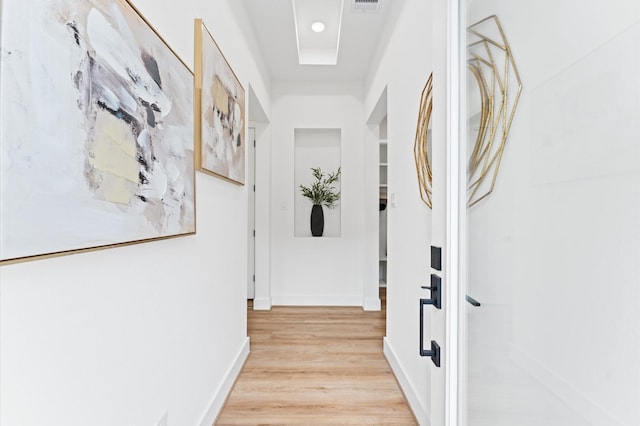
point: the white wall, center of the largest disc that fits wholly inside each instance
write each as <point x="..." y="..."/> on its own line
<point x="317" y="270"/>
<point x="404" y="64"/>
<point x="121" y="336"/>
<point x="554" y="250"/>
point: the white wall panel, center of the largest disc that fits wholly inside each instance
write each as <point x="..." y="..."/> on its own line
<point x="317" y="270"/>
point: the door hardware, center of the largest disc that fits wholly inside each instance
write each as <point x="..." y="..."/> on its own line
<point x="436" y="293"/>
<point x="434" y="353"/>
<point x="471" y="300"/>
<point x="436" y="258"/>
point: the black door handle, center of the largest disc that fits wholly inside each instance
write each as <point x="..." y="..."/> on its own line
<point x="473" y="301"/>
<point x="436" y="292"/>
<point x="434" y="353"/>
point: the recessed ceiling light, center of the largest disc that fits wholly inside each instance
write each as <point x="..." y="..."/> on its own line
<point x="317" y="27"/>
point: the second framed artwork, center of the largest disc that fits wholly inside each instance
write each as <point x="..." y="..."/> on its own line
<point x="219" y="111"/>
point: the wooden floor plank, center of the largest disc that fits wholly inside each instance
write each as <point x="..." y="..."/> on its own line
<point x="316" y="366"/>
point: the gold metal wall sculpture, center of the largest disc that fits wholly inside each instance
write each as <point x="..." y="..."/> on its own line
<point x="421" y="145"/>
<point x="492" y="65"/>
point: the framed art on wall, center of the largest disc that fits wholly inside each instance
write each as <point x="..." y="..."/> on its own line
<point x="220" y="111"/>
<point x="96" y="129"/>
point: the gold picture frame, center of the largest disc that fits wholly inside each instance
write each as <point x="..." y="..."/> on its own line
<point x="101" y="147"/>
<point x="219" y="108"/>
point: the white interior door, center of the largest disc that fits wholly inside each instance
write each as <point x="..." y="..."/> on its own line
<point x="251" y="244"/>
<point x="549" y="335"/>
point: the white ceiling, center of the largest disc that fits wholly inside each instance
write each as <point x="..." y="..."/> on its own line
<point x="318" y="47"/>
<point x="274" y="27"/>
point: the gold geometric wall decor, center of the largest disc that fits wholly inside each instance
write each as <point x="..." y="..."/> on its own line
<point x="491" y="63"/>
<point x="421" y="145"/>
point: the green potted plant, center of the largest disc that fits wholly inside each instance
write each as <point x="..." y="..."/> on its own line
<point x="322" y="192"/>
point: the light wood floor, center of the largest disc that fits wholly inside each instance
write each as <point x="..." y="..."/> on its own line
<point x="316" y="366"/>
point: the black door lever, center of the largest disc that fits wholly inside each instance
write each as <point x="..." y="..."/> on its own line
<point x="436" y="292"/>
<point x="471" y="300"/>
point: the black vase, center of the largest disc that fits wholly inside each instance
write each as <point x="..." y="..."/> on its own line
<point x="317" y="220"/>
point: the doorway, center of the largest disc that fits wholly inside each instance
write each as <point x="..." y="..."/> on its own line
<point x="384" y="190"/>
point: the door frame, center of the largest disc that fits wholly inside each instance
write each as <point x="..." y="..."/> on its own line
<point x="251" y="212"/>
<point x="455" y="205"/>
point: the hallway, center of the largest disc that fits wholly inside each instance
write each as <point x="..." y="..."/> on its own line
<point x="316" y="365"/>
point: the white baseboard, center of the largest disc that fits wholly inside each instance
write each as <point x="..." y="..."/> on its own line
<point x="323" y="300"/>
<point x="225" y="389"/>
<point x="580" y="403"/>
<point x="262" y="304"/>
<point x="372" y="304"/>
<point x="416" y="405"/>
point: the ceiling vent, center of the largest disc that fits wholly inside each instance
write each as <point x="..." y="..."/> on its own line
<point x="365" y="5"/>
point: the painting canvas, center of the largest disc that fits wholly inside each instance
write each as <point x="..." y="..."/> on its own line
<point x="220" y="111"/>
<point x="96" y="129"/>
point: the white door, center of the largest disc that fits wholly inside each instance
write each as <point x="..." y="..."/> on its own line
<point x="550" y="291"/>
<point x="251" y="244"/>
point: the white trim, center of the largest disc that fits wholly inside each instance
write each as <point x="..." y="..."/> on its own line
<point x="453" y="208"/>
<point x="372" y="304"/>
<point x="250" y="153"/>
<point x="262" y="288"/>
<point x="317" y="300"/>
<point x="415" y="402"/>
<point x="262" y="304"/>
<point x="587" y="408"/>
<point x="224" y="390"/>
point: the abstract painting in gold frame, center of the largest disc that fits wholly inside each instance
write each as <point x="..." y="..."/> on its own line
<point x="219" y="111"/>
<point x="96" y="129"/>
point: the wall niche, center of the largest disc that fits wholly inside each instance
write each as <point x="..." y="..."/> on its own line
<point x="315" y="148"/>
